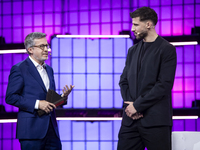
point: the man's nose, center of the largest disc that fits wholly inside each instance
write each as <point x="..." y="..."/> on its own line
<point x="45" y="48"/>
<point x="133" y="29"/>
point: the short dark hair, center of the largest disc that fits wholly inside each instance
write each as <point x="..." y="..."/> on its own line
<point x="29" y="40"/>
<point x="145" y="13"/>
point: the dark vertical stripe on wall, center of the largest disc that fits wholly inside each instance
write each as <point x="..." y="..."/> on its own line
<point x="122" y="15"/>
<point x="72" y="72"/>
<point x="130" y="10"/>
<point x="85" y="138"/>
<point x="59" y="88"/>
<point x="111" y="18"/>
<point x="159" y="20"/>
<point x="184" y="122"/>
<point x="99" y="73"/>
<point x="183" y="76"/>
<point x="53" y="16"/>
<point x="100" y="21"/>
<point x="113" y="73"/>
<point x="12" y="124"/>
<point x="113" y="140"/>
<point x="72" y="134"/>
<point x="78" y="11"/>
<point x="33" y="23"/>
<point x="43" y="17"/>
<point x="195" y="62"/>
<point x="1" y="127"/>
<point x="183" y="19"/>
<point x="12" y="21"/>
<point x="72" y="40"/>
<point x="22" y="14"/>
<point x="1" y="63"/>
<point x="79" y="17"/>
<point x="171" y="20"/>
<point x="99" y="135"/>
<point x="89" y="17"/>
<point x="12" y="57"/>
<point x="63" y="18"/>
<point x="194" y="13"/>
<point x="1" y="78"/>
<point x="68" y="17"/>
<point x="86" y="74"/>
<point x="71" y="142"/>
<point x="195" y="76"/>
<point x="1" y="34"/>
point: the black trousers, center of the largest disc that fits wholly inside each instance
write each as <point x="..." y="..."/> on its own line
<point x="50" y="141"/>
<point x="136" y="137"/>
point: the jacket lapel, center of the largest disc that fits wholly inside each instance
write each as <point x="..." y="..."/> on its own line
<point x="137" y="56"/>
<point x="34" y="72"/>
<point x="134" y="62"/>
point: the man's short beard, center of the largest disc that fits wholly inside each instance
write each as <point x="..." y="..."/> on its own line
<point x="141" y="35"/>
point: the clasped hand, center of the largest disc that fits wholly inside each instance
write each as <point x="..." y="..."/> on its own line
<point x="47" y="106"/>
<point x="132" y="112"/>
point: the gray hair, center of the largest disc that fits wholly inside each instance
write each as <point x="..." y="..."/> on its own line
<point x="29" y="40"/>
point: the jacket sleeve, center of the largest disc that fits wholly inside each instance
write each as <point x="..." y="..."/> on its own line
<point x="164" y="83"/>
<point x="123" y="83"/>
<point x="15" y="89"/>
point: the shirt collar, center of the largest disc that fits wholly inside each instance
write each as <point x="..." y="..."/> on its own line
<point x="36" y="64"/>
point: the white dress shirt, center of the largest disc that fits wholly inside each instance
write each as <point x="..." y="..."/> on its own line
<point x="44" y="76"/>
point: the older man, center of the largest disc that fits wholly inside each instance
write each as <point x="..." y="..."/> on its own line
<point x="29" y="82"/>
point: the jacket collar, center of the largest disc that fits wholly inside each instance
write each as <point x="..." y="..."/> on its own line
<point x="34" y="72"/>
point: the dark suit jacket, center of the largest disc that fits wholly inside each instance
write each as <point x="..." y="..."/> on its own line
<point x="25" y="86"/>
<point x="150" y="89"/>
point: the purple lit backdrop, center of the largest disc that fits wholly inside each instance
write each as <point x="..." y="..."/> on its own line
<point x="18" y="18"/>
<point x="91" y="17"/>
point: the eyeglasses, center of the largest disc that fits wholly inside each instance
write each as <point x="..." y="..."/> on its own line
<point x="42" y="46"/>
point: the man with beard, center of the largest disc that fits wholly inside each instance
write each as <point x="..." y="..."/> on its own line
<point x="146" y="84"/>
<point x="27" y="88"/>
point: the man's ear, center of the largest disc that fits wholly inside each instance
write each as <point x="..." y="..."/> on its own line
<point x="148" y="24"/>
<point x="30" y="50"/>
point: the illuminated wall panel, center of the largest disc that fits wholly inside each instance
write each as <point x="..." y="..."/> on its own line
<point x="96" y="66"/>
<point x="89" y="135"/>
<point x="99" y="71"/>
<point x="186" y="85"/>
<point x="93" y="66"/>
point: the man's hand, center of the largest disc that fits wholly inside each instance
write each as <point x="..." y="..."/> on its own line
<point x="46" y="106"/>
<point x="66" y="90"/>
<point x="130" y="110"/>
<point x="137" y="116"/>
